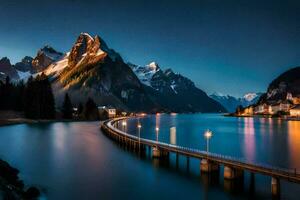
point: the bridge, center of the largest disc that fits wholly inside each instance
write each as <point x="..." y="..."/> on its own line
<point x="210" y="162"/>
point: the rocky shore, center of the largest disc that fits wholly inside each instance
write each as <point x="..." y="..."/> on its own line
<point x="11" y="187"/>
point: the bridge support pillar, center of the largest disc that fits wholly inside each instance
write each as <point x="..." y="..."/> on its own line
<point x="275" y="186"/>
<point x="232" y="173"/>
<point x="159" y="153"/>
<point x="208" y="166"/>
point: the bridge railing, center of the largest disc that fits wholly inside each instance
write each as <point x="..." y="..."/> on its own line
<point x="210" y="155"/>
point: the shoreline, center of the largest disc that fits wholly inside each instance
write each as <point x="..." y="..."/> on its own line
<point x="262" y="116"/>
<point x="12" y="187"/>
<point x="16" y="121"/>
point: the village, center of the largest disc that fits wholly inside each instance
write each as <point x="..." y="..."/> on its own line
<point x="288" y="108"/>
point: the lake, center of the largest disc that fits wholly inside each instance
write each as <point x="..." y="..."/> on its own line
<point x="76" y="161"/>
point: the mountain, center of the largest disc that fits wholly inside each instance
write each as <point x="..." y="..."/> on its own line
<point x="92" y="69"/>
<point x="45" y="56"/>
<point x="7" y="69"/>
<point x="250" y="98"/>
<point x="145" y="73"/>
<point x="174" y="91"/>
<point x="231" y="103"/>
<point x="25" y="65"/>
<point x="286" y="85"/>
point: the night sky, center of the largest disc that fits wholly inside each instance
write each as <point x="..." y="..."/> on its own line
<point x="233" y="47"/>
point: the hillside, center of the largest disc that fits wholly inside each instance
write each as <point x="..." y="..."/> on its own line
<point x="286" y="85"/>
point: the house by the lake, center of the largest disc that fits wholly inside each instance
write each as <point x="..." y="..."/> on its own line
<point x="295" y="111"/>
<point x="109" y="111"/>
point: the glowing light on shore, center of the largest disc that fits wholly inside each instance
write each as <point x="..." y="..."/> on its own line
<point x="141" y="114"/>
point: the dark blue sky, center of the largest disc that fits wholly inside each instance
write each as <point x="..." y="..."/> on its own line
<point x="232" y="47"/>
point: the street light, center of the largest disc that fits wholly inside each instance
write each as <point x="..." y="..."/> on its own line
<point x="207" y="135"/>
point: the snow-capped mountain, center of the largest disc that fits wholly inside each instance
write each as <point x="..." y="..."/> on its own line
<point x="29" y="66"/>
<point x="231" y="103"/>
<point x="25" y="65"/>
<point x="145" y="73"/>
<point x="174" y="91"/>
<point x="92" y="69"/>
<point x="7" y="69"/>
<point x="250" y="98"/>
<point x="45" y="56"/>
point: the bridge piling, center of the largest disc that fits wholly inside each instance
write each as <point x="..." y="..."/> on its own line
<point x="187" y="163"/>
<point x="252" y="183"/>
<point x="232" y="173"/>
<point x="208" y="166"/>
<point x="275" y="187"/>
<point x="159" y="153"/>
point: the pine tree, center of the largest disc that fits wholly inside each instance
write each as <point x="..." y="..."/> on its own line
<point x="47" y="109"/>
<point x="39" y="99"/>
<point x="80" y="109"/>
<point x="91" y="110"/>
<point x="67" y="108"/>
<point x="30" y="100"/>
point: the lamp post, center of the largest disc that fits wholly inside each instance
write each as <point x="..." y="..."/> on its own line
<point x="207" y="135"/>
<point x="139" y="128"/>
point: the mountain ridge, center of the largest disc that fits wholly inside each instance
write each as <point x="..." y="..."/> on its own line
<point x="92" y="69"/>
<point x="231" y="102"/>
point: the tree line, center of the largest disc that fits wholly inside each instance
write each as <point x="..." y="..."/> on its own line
<point x="36" y="100"/>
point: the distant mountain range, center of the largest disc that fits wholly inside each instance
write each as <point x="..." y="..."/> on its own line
<point x="231" y="103"/>
<point x="92" y="69"/>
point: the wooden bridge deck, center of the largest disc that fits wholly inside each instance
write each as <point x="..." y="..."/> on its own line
<point x="281" y="173"/>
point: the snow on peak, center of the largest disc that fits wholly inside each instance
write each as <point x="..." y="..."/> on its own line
<point x="50" y="52"/>
<point x="24" y="75"/>
<point x="250" y="96"/>
<point x="153" y="65"/>
<point x="219" y="94"/>
<point x="145" y="73"/>
<point x="55" y="68"/>
<point x="87" y="35"/>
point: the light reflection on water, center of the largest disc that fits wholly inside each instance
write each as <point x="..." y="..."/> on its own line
<point x="294" y="142"/>
<point x="264" y="140"/>
<point x="249" y="139"/>
<point x="76" y="161"/>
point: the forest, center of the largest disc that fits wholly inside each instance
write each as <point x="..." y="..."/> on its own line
<point x="35" y="100"/>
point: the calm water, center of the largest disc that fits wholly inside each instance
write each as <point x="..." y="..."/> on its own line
<point x="76" y="161"/>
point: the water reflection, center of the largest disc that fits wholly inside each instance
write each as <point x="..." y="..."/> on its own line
<point x="173" y="135"/>
<point x="249" y="138"/>
<point x="294" y="143"/>
<point x="75" y="160"/>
